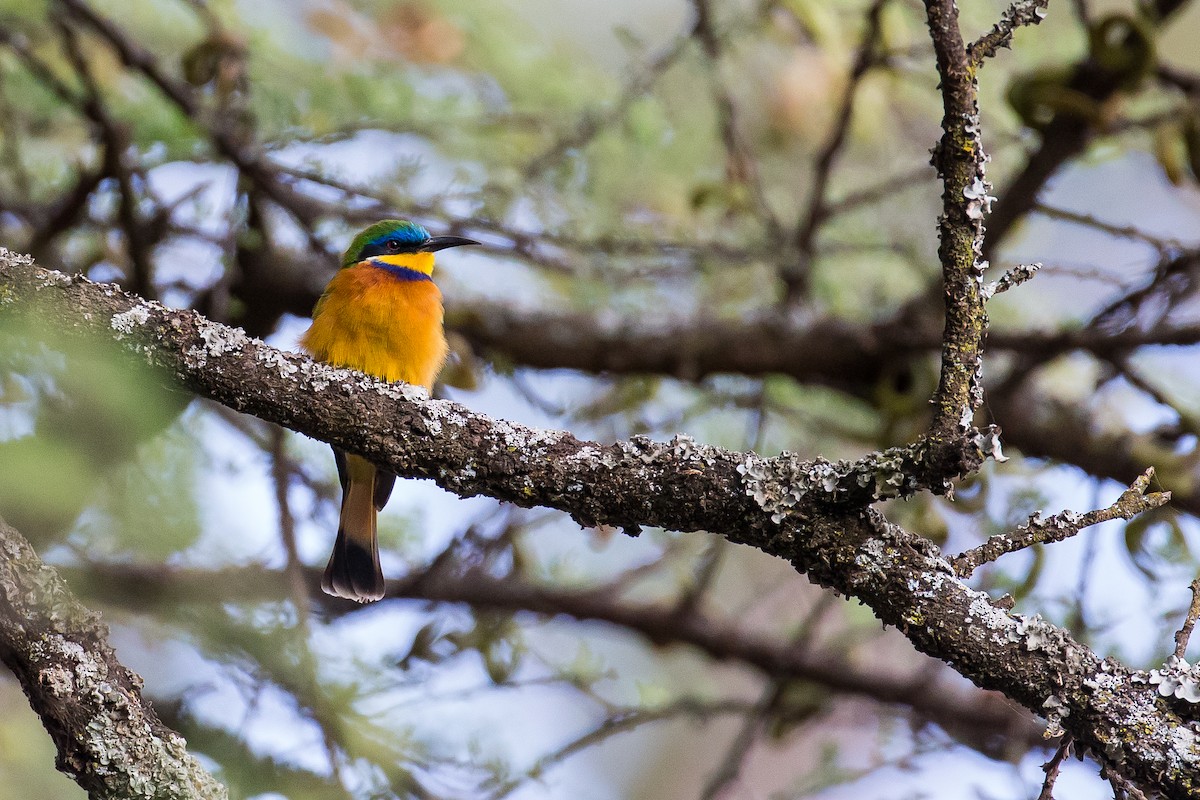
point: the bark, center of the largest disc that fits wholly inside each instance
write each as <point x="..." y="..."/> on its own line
<point x="109" y="739"/>
<point x="815" y="514"/>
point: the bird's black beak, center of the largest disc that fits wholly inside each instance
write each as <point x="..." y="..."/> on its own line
<point x="435" y="243"/>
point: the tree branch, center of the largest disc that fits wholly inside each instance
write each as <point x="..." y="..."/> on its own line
<point x="813" y="514"/>
<point x="979" y="719"/>
<point x="109" y="739"/>
<point x="1019" y="14"/>
<point x="1133" y="501"/>
<point x="960" y="160"/>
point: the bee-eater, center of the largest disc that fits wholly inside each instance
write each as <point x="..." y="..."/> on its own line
<point x="380" y="314"/>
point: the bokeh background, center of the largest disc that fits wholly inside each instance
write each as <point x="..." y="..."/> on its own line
<point x="643" y="174"/>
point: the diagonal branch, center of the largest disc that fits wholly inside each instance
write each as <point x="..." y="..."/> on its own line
<point x="975" y="717"/>
<point x="109" y="739"/>
<point x="695" y="487"/>
<point x="1019" y="14"/>
<point x="813" y="514"/>
<point x="1132" y="502"/>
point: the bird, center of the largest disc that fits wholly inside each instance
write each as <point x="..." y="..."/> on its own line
<point x="380" y="314"/>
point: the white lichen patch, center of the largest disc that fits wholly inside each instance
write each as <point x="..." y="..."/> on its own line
<point x="982" y="611"/>
<point x="52" y="277"/>
<point x="1176" y="678"/>
<point x="979" y="202"/>
<point x="687" y="449"/>
<point x="928" y="586"/>
<point x="988" y="443"/>
<point x="779" y="484"/>
<point x="276" y="360"/>
<point x="1055" y="713"/>
<point x="443" y="412"/>
<point x="221" y="339"/>
<point x="1032" y="631"/>
<point x="406" y="392"/>
<point x="517" y="437"/>
<point x="875" y="557"/>
<point x="319" y="376"/>
<point x="24" y="259"/>
<point x="1107" y="679"/>
<point x="585" y="456"/>
<point x="125" y="322"/>
<point x="57" y="681"/>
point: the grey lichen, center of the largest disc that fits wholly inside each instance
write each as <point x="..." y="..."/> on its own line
<point x="221" y="339"/>
<point x="125" y="322"/>
<point x="1032" y="632"/>
<point x="1014" y="277"/>
<point x="979" y="202"/>
<point x="276" y="360"/>
<point x="1176" y="678"/>
<point x="1055" y="712"/>
<point x="779" y="485"/>
<point x="218" y="340"/>
<point x="776" y="488"/>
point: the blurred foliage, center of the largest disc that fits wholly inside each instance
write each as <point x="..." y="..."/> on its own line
<point x="594" y="148"/>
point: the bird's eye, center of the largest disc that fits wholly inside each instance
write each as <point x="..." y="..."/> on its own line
<point x="393" y="245"/>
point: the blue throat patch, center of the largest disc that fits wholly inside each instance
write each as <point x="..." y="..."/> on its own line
<point x="403" y="273"/>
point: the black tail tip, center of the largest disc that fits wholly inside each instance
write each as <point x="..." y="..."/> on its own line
<point x="353" y="573"/>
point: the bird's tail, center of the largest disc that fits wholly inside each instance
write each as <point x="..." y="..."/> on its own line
<point x="353" y="571"/>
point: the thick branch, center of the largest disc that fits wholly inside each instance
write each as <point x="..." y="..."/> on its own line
<point x="677" y="484"/>
<point x="109" y="739"/>
<point x="810" y="513"/>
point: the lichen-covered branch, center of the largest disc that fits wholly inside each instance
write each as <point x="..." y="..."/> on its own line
<point x="1184" y="634"/>
<point x="109" y="739"/>
<point x="1019" y="14"/>
<point x="959" y="159"/>
<point x="678" y="484"/>
<point x="814" y="514"/>
<point x="1133" y="501"/>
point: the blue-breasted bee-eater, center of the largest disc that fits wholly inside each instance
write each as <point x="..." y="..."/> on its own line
<point x="381" y="314"/>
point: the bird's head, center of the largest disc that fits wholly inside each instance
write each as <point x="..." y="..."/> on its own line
<point x="399" y="243"/>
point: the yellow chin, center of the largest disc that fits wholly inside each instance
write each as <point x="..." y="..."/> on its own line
<point x="419" y="262"/>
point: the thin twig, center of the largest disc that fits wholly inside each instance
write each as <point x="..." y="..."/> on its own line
<point x="621" y="722"/>
<point x="741" y="166"/>
<point x="887" y="189"/>
<point x="1184" y="634"/>
<point x="1123" y="788"/>
<point x="1052" y="767"/>
<point x="595" y="121"/>
<point x="796" y="274"/>
<point x="1011" y="279"/>
<point x="1019" y="14"/>
<point x="1133" y="501"/>
<point x="743" y="741"/>
<point x="1162" y="245"/>
<point x="138" y="246"/>
<point x="245" y="156"/>
<point x="281" y="472"/>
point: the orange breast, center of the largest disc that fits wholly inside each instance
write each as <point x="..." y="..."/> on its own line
<point x="373" y="321"/>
